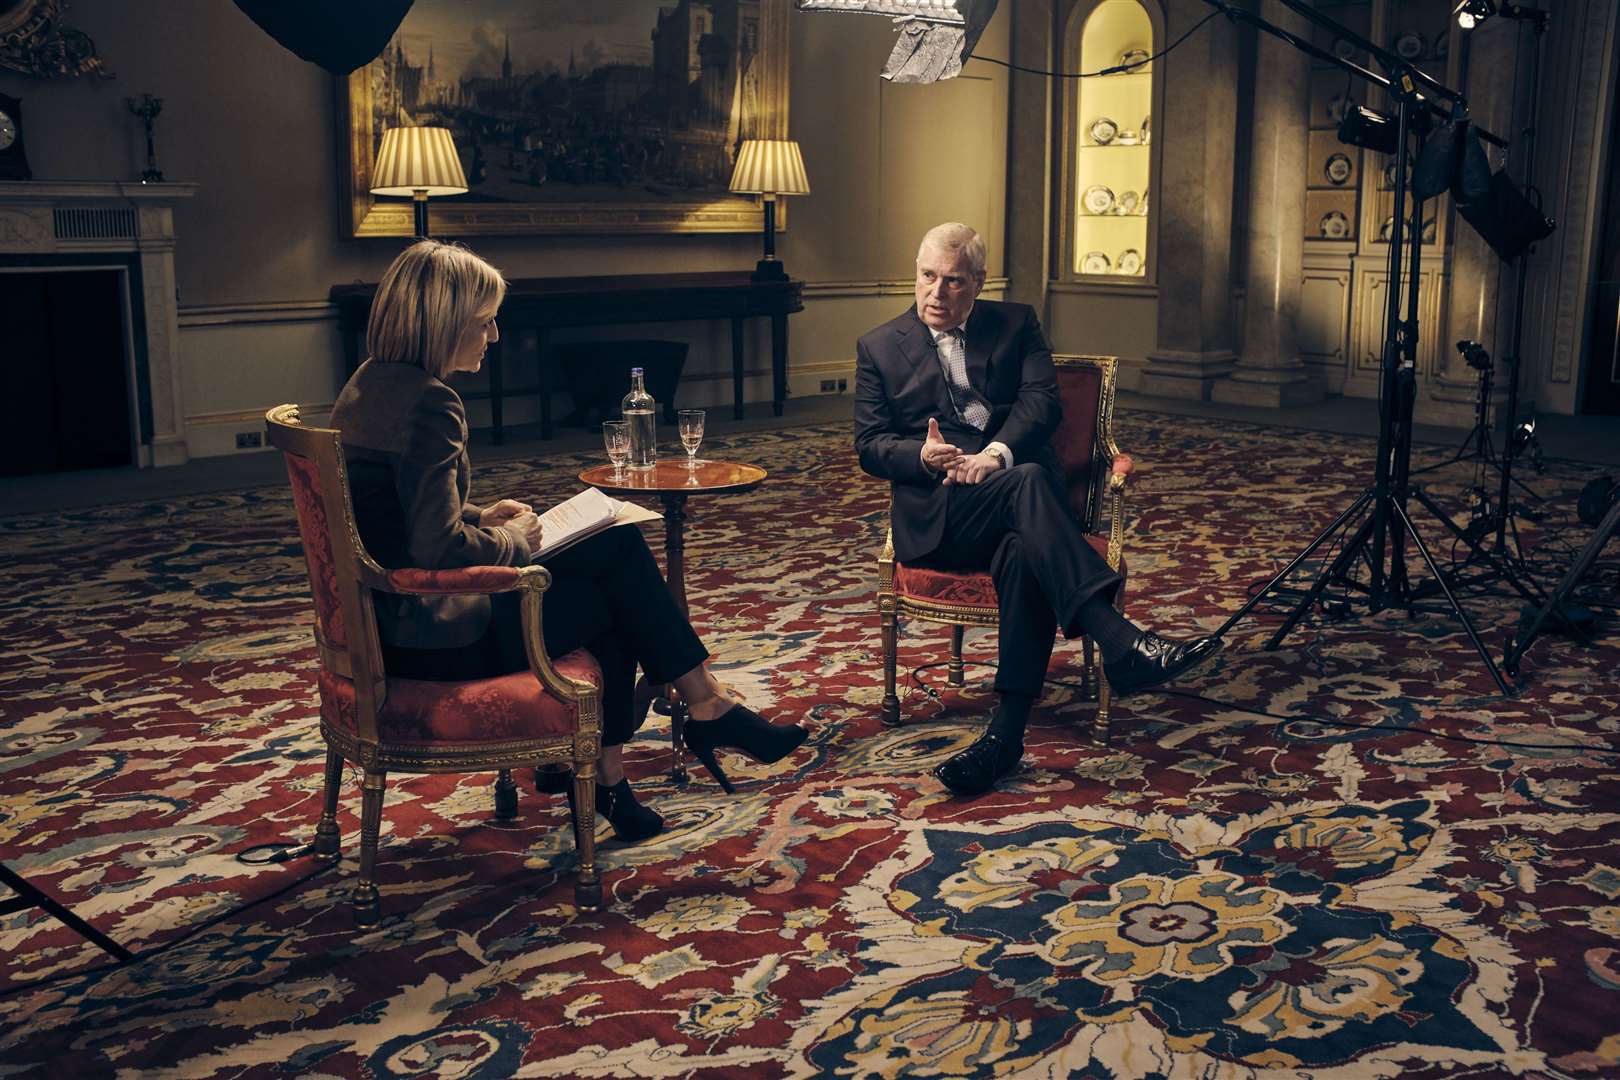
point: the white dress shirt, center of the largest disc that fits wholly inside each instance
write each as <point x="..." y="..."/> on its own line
<point x="1006" y="451"/>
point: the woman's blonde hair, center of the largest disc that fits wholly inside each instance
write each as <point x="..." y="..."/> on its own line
<point x="430" y="295"/>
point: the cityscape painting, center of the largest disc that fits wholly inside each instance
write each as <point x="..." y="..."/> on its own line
<point x="575" y="115"/>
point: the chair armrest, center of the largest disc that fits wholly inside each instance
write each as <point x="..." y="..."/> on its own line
<point x="534" y="581"/>
<point x="1117" y="473"/>
<point x="458" y="582"/>
<point x="1121" y="468"/>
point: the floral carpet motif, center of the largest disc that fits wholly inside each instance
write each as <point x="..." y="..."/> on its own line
<point x="1239" y="885"/>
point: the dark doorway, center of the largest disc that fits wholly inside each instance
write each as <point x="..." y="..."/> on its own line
<point x="67" y="367"/>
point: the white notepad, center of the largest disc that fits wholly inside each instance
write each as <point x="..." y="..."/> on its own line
<point x="585" y="514"/>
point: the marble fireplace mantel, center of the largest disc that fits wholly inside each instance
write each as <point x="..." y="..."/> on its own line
<point x="49" y="219"/>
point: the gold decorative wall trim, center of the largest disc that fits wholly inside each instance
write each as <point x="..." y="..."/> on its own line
<point x="891" y="287"/>
<point x="282" y="311"/>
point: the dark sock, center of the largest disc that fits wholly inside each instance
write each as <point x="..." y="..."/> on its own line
<point x="1114" y="634"/>
<point x="1011" y="716"/>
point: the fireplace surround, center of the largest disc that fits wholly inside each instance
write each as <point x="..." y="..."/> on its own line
<point x="125" y="227"/>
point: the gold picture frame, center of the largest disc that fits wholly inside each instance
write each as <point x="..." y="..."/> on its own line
<point x="525" y="129"/>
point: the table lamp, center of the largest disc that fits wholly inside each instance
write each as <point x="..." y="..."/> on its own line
<point x="418" y="162"/>
<point x="768" y="168"/>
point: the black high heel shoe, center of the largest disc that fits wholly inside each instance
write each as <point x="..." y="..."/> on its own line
<point x="741" y="728"/>
<point x="631" y="821"/>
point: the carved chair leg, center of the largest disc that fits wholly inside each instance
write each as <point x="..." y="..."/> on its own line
<point x="506" y="796"/>
<point x="891" y="702"/>
<point x="327" y="838"/>
<point x="1099" y="726"/>
<point x="954" y="672"/>
<point x="1088" y="679"/>
<point x="587" y="886"/>
<point x="677" y="738"/>
<point x="367" y="907"/>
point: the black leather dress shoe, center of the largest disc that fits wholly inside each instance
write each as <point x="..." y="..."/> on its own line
<point x="975" y="770"/>
<point x="1153" y="660"/>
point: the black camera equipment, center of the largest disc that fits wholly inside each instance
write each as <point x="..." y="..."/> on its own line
<point x="1379" y="515"/>
<point x="1595" y="499"/>
<point x="1557" y="609"/>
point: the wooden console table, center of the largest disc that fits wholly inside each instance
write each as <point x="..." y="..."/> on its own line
<point x="547" y="304"/>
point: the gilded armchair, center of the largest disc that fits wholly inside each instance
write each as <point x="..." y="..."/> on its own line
<point x="549" y="714"/>
<point x="1094" y="472"/>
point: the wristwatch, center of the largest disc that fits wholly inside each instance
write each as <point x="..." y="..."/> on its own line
<point x="996" y="453"/>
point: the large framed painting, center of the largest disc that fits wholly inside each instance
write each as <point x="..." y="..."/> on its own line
<point x="574" y="116"/>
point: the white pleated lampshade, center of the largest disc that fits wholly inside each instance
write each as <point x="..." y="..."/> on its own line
<point x="770" y="166"/>
<point x="413" y="159"/>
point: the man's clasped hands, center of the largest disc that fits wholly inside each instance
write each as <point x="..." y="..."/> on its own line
<point x="957" y="467"/>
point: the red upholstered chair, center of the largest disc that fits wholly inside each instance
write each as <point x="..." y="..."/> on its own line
<point x="1094" y="471"/>
<point x="549" y="714"/>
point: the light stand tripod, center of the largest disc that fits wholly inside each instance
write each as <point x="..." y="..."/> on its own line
<point x="1538" y="19"/>
<point x="1387" y="526"/>
<point x="1478" y="446"/>
<point x="1501" y="516"/>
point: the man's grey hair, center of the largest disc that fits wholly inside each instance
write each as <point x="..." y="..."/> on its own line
<point x="953" y="237"/>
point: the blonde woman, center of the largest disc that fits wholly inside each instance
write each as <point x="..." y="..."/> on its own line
<point x="404" y="434"/>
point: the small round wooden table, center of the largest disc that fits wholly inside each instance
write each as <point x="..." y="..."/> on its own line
<point x="674" y="483"/>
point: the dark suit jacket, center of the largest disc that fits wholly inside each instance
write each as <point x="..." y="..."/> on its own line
<point x="899" y="385"/>
<point x="405" y="447"/>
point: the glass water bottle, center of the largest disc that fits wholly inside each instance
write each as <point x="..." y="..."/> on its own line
<point x="641" y="412"/>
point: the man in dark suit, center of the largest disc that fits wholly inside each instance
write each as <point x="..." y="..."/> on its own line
<point x="955" y="404"/>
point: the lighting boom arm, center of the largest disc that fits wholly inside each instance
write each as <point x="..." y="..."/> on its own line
<point x="1399" y="69"/>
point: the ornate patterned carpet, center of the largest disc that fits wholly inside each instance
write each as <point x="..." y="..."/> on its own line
<point x="1221" y="892"/>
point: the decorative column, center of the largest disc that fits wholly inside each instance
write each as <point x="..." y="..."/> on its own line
<point x="1029" y="141"/>
<point x="1194" y="212"/>
<point x="1269" y="370"/>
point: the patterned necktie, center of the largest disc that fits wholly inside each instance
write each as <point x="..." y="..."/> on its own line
<point x="953" y="357"/>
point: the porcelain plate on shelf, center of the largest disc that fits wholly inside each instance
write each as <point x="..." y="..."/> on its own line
<point x="1338" y="169"/>
<point x="1334" y="225"/>
<point x="1103" y="131"/>
<point x="1408" y="45"/>
<point x="1097" y="199"/>
<point x="1127" y="202"/>
<point x="1130" y="261"/>
<point x="1095" y="262"/>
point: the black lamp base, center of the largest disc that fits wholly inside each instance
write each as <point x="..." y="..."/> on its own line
<point x="769" y="270"/>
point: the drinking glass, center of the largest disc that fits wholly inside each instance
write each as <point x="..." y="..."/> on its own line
<point x="691" y="425"/>
<point x="616" y="437"/>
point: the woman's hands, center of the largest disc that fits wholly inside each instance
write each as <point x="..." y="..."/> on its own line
<point x="519" y="517"/>
<point x="502" y="512"/>
<point x="527" y="525"/>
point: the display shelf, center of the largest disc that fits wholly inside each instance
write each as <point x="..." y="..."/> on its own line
<point x="1109" y="32"/>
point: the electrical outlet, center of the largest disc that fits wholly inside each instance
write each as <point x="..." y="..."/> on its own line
<point x="827" y="386"/>
<point x="249" y="440"/>
<point x="843" y="384"/>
